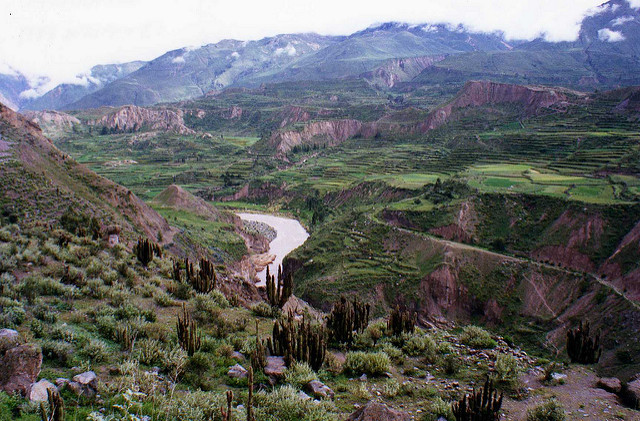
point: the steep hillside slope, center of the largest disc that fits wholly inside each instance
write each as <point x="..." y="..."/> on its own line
<point x="40" y="183"/>
<point x="131" y="118"/>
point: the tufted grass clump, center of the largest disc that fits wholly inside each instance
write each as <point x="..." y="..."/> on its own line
<point x="420" y="345"/>
<point x="477" y="337"/>
<point x="299" y="374"/>
<point x="370" y="363"/>
<point x="551" y="410"/>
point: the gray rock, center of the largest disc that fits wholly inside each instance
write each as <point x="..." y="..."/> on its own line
<point x="363" y="378"/>
<point x="275" y="367"/>
<point x="237" y="372"/>
<point x="9" y="338"/>
<point x="319" y="389"/>
<point x="84" y="384"/>
<point x="38" y="391"/>
<point x="9" y="334"/>
<point x="237" y="356"/>
<point x="20" y="368"/>
<point x="61" y="382"/>
<point x="376" y="411"/>
<point x="610" y="384"/>
<point x="88" y="378"/>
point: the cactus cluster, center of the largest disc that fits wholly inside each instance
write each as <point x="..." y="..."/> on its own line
<point x="581" y="347"/>
<point x="56" y="406"/>
<point x="278" y="293"/>
<point x="481" y="405"/>
<point x="145" y="250"/>
<point x="347" y="318"/>
<point x="259" y="353"/>
<point x="298" y="341"/>
<point x="401" y="321"/>
<point x="188" y="332"/>
<point x="203" y="279"/>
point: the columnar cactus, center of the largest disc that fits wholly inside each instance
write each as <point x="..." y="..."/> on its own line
<point x="481" y="405"/>
<point x="188" y="332"/>
<point x="581" y="347"/>
<point x="347" y="318"/>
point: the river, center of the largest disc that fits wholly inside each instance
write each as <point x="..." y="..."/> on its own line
<point x="291" y="235"/>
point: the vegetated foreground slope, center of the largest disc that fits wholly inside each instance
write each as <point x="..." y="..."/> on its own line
<point x="40" y="183"/>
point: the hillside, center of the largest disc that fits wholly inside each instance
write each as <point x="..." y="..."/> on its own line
<point x="40" y="183"/>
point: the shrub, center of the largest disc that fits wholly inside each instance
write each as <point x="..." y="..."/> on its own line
<point x="163" y="299"/>
<point x="420" y="345"/>
<point x="59" y="351"/>
<point x="205" y="309"/>
<point x="148" y="351"/>
<point x="451" y="364"/>
<point x="394" y="353"/>
<point x="196" y="406"/>
<point x="284" y="404"/>
<point x="506" y="369"/>
<point x="370" y="363"/>
<point x="12" y="317"/>
<point x="548" y="411"/>
<point x="263" y="309"/>
<point x="477" y="337"/>
<point x="96" y="351"/>
<point x="299" y="374"/>
<point x="437" y="409"/>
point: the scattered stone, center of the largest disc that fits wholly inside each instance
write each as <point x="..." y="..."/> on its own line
<point x="275" y="367"/>
<point x="558" y="376"/>
<point x="237" y="372"/>
<point x="376" y="411"/>
<point x="84" y="384"/>
<point x="610" y="384"/>
<point x="319" y="389"/>
<point x="20" y="368"/>
<point x="237" y="356"/>
<point x="38" y="392"/>
<point x="363" y="378"/>
<point x="61" y="382"/>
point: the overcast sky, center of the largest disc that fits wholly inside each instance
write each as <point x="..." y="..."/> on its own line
<point x="62" y="38"/>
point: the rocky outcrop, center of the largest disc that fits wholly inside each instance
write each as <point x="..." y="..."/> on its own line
<point x="400" y="70"/>
<point x="52" y="123"/>
<point x="375" y="411"/>
<point x="479" y="93"/>
<point x="330" y="133"/>
<point x="20" y="368"/>
<point x="319" y="390"/>
<point x="131" y="118"/>
<point x="292" y="115"/>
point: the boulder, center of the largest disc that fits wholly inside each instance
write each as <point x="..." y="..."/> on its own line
<point x="84" y="384"/>
<point x="630" y="394"/>
<point x="375" y="411"/>
<point x="61" y="382"/>
<point x="275" y="366"/>
<point x="319" y="389"/>
<point x="38" y="391"/>
<point x="610" y="384"/>
<point x="9" y="338"/>
<point x="237" y="371"/>
<point x="235" y="355"/>
<point x="20" y="368"/>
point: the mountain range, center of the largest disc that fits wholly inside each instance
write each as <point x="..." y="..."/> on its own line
<point x="605" y="55"/>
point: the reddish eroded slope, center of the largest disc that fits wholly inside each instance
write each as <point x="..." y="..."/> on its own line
<point x="40" y="183"/>
<point x="479" y="93"/>
<point x="130" y="118"/>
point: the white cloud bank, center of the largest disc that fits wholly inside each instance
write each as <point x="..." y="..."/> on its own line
<point x="60" y="39"/>
<point x="607" y="34"/>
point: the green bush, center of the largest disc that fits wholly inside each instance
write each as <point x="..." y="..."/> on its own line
<point x="263" y="309"/>
<point x="477" y="337"/>
<point x="284" y="404"/>
<point x="506" y="369"/>
<point x="438" y="408"/>
<point x="59" y="351"/>
<point x="420" y="345"/>
<point x="163" y="299"/>
<point x="370" y="363"/>
<point x="12" y="317"/>
<point x="96" y="351"/>
<point x="548" y="411"/>
<point x="148" y="351"/>
<point x="451" y="364"/>
<point x="299" y="374"/>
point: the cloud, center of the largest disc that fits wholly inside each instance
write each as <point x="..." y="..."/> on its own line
<point x="634" y="3"/>
<point x="289" y="50"/>
<point x="606" y="34"/>
<point x="178" y="60"/>
<point x="621" y="20"/>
